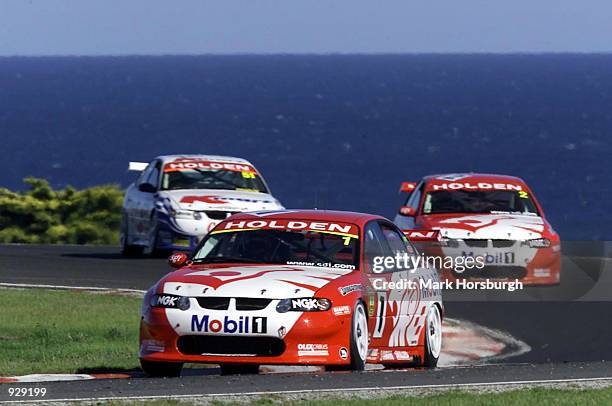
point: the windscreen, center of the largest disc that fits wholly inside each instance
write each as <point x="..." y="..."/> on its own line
<point x="211" y="175"/>
<point x="464" y="201"/>
<point x="281" y="246"/>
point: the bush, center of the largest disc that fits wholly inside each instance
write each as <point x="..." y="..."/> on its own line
<point x="65" y="216"/>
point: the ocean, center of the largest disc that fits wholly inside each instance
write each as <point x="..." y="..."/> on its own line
<point x="337" y="131"/>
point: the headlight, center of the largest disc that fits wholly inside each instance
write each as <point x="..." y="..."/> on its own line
<point x="539" y="243"/>
<point x="170" y="302"/>
<point x="182" y="214"/>
<point x="307" y="304"/>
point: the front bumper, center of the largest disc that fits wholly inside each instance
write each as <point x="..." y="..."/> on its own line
<point x="317" y="338"/>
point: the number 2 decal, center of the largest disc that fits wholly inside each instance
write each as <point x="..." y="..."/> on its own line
<point x="523" y="194"/>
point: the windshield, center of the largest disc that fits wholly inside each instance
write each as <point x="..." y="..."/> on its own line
<point x="286" y="247"/>
<point x="463" y="201"/>
<point x="207" y="175"/>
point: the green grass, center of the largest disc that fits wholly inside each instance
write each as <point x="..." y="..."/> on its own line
<point x="59" y="331"/>
<point x="528" y="397"/>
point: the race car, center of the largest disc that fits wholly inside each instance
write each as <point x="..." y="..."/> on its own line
<point x="178" y="199"/>
<point x="295" y="287"/>
<point x="494" y="218"/>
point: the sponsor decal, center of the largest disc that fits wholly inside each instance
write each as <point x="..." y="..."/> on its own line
<point x="282" y="332"/>
<point x="166" y="301"/>
<point x="208" y="165"/>
<point x="386" y="355"/>
<point x="345" y="290"/>
<point x="453" y="176"/>
<point x="341" y="310"/>
<point x="345" y="229"/>
<point x="541" y="272"/>
<point x="402" y="355"/>
<point x="309" y="304"/>
<point x="372" y="305"/>
<point x="473" y="186"/>
<point x="497" y="258"/>
<point x="313" y="350"/>
<point x="343" y="353"/>
<point x="229" y="325"/>
<point x="220" y="199"/>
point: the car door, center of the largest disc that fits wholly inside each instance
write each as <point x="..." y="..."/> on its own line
<point x="144" y="201"/>
<point x="405" y="302"/>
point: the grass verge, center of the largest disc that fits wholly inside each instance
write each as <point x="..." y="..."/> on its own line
<point x="60" y="331"/>
<point x="528" y="397"/>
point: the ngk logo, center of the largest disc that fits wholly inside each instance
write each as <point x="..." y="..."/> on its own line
<point x="308" y="304"/>
<point x="166" y="300"/>
<point x="243" y="325"/>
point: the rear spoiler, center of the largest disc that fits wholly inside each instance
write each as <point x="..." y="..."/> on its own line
<point x="137" y="166"/>
<point x="422" y="235"/>
<point x="407" y="187"/>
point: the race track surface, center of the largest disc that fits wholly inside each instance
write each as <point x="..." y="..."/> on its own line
<point x="567" y="326"/>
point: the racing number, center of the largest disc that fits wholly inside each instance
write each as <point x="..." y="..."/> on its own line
<point x="248" y="175"/>
<point x="523" y="194"/>
<point x="380" y="317"/>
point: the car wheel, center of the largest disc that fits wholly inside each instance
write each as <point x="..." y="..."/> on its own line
<point x="433" y="337"/>
<point x="358" y="342"/>
<point x="239" y="369"/>
<point x="126" y="249"/>
<point x="161" y="369"/>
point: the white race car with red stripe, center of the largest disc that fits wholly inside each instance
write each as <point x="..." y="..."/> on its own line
<point x="495" y="218"/>
<point x="293" y="288"/>
<point x="178" y="199"/>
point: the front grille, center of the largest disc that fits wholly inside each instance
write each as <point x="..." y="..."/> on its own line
<point x="476" y="243"/>
<point x="213" y="303"/>
<point x="231" y="345"/>
<point x="494" y="272"/>
<point x="218" y="215"/>
<point x="503" y="243"/>
<point x="247" y="303"/>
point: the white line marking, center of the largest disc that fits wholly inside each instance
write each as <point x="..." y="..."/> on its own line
<point x="64" y="287"/>
<point x="290" y="392"/>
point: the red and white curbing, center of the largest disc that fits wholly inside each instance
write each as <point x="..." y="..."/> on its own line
<point x="465" y="343"/>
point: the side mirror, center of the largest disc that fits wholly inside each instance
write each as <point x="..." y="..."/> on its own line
<point x="178" y="260"/>
<point x="147" y="188"/>
<point x="407" y="187"/>
<point x="407" y="211"/>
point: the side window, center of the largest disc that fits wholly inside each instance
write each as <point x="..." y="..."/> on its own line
<point x="144" y="175"/>
<point x="415" y="197"/>
<point x="398" y="244"/>
<point x="374" y="246"/>
<point x="153" y="177"/>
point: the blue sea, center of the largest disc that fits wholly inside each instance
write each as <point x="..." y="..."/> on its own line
<point x="336" y="131"/>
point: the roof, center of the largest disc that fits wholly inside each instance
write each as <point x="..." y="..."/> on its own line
<point x="313" y="215"/>
<point x="473" y="177"/>
<point x="201" y="157"/>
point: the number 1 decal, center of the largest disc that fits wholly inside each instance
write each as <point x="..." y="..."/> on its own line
<point x="380" y="316"/>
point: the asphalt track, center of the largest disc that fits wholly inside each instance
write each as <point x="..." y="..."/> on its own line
<point x="567" y="326"/>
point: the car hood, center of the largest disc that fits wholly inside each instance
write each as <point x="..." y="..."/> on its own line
<point x="253" y="281"/>
<point x="486" y="226"/>
<point x="221" y="200"/>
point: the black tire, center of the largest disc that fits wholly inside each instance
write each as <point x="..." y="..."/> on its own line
<point x="357" y="362"/>
<point x="431" y="358"/>
<point x="239" y="369"/>
<point x="162" y="369"/>
<point x="126" y="249"/>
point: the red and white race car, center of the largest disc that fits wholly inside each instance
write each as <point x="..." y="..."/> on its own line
<point x="494" y="217"/>
<point x="292" y="287"/>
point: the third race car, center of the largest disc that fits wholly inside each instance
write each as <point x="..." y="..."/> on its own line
<point x="494" y="217"/>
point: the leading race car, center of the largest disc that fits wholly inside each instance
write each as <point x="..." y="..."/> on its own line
<point x="292" y="287"/>
<point x="494" y="217"/>
<point x="178" y="199"/>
